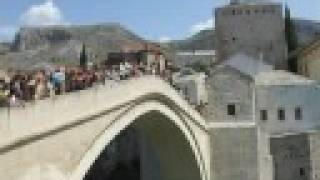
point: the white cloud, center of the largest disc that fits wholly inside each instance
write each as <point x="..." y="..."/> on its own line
<point x="43" y="15"/>
<point x="164" y="39"/>
<point x="7" y="33"/>
<point x="208" y="24"/>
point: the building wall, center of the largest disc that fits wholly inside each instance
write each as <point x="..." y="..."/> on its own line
<point x="183" y="59"/>
<point x="154" y="61"/>
<point x="291" y="156"/>
<point x="314" y="140"/>
<point x="229" y="86"/>
<point x="252" y="30"/>
<point x="309" y="64"/>
<point x="234" y="153"/>
<point x="193" y="88"/>
<point x="247" y="64"/>
<point x="288" y="97"/>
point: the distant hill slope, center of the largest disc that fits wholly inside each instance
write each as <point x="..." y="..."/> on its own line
<point x="5" y="47"/>
<point x="307" y="31"/>
<point x="203" y="40"/>
<point x="38" y="46"/>
<point x="110" y="35"/>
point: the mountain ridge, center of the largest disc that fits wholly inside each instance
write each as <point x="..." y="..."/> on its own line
<point x="34" y="46"/>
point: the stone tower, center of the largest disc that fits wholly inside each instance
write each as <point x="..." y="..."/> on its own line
<point x="254" y="28"/>
<point x="234" y="2"/>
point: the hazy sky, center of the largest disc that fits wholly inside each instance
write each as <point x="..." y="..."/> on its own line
<point x="153" y="19"/>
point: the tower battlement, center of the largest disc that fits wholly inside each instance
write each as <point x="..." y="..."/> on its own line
<point x="235" y="2"/>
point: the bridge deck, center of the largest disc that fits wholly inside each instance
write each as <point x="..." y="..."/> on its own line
<point x="42" y="116"/>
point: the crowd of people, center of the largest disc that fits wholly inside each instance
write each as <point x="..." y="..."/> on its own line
<point x="25" y="86"/>
<point x="21" y="87"/>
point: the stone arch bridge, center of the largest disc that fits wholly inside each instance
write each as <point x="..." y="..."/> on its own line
<point x="62" y="138"/>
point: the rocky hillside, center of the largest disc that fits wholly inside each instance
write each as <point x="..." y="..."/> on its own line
<point x="110" y="35"/>
<point x="203" y="40"/>
<point x="34" y="47"/>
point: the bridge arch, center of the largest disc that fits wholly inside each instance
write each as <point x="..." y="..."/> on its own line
<point x="192" y="140"/>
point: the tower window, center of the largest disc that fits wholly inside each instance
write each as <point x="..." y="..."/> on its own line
<point x="263" y="115"/>
<point x="281" y="114"/>
<point x="298" y="113"/>
<point x="302" y="172"/>
<point x="248" y="12"/>
<point x="231" y="109"/>
<point x="264" y="11"/>
<point x="271" y="47"/>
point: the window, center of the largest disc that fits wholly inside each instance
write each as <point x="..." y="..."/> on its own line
<point x="233" y="39"/>
<point x="281" y="114"/>
<point x="233" y="12"/>
<point x="302" y="171"/>
<point x="264" y="11"/>
<point x="271" y="47"/>
<point x="298" y="113"/>
<point x="248" y="12"/>
<point x="231" y="109"/>
<point x="263" y="115"/>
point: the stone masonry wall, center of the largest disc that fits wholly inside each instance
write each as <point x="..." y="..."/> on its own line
<point x="291" y="156"/>
<point x="228" y="86"/>
<point x="234" y="154"/>
<point x="253" y="30"/>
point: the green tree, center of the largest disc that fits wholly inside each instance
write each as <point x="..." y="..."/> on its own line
<point x="291" y="39"/>
<point x="83" y="57"/>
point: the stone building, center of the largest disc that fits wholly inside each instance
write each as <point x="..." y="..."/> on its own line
<point x="231" y="85"/>
<point x="254" y="29"/>
<point x="229" y="95"/>
<point x="192" y="87"/>
<point x="264" y="125"/>
<point x="286" y="117"/>
<point x="309" y="60"/>
<point x="149" y="60"/>
<point x="291" y="156"/>
<point x="286" y="102"/>
<point x="264" y="121"/>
